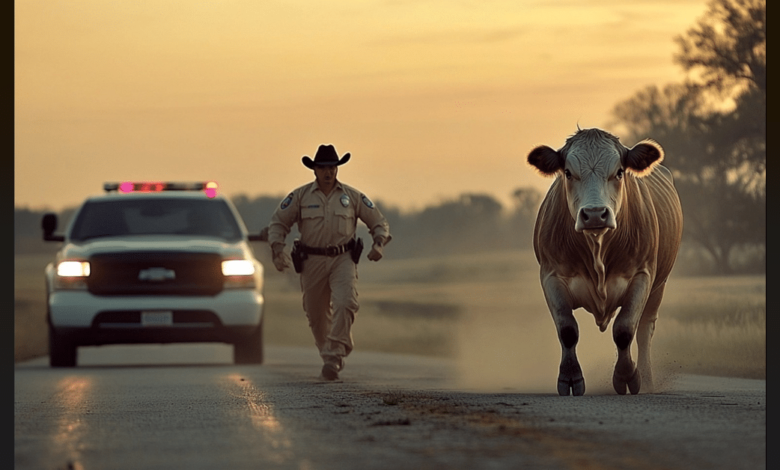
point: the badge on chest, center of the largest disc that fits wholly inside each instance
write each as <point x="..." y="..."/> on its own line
<point x="344" y="200"/>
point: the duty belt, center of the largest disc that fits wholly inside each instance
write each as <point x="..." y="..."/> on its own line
<point x="330" y="250"/>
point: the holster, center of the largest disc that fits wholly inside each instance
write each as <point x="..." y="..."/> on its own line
<point x="357" y="250"/>
<point x="298" y="256"/>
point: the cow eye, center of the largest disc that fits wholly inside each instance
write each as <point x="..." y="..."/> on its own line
<point x="619" y="174"/>
<point x="567" y="173"/>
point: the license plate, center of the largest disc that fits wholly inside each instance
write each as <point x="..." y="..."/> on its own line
<point x="161" y="318"/>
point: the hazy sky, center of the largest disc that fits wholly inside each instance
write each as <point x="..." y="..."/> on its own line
<point x="433" y="98"/>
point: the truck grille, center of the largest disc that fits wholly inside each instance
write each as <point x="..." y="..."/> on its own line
<point x="155" y="273"/>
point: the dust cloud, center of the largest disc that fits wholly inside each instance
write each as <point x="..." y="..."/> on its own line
<point x="519" y="352"/>
<point x="507" y="341"/>
<point x="711" y="326"/>
<point x="487" y="312"/>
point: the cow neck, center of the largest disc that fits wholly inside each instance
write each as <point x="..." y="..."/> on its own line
<point x="629" y="222"/>
<point x="596" y="246"/>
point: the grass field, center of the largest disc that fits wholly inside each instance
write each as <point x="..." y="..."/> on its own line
<point x="487" y="311"/>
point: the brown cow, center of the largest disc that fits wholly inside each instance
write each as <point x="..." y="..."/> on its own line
<point x="606" y="238"/>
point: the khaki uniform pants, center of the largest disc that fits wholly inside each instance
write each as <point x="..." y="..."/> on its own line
<point x="329" y="286"/>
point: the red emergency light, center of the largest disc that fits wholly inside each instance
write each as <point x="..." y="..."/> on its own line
<point x="208" y="187"/>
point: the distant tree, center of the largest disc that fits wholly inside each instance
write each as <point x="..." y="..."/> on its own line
<point x="465" y="224"/>
<point x="727" y="46"/>
<point x="717" y="153"/>
<point x="256" y="212"/>
<point x="523" y="217"/>
<point x="527" y="201"/>
<point x="470" y="222"/>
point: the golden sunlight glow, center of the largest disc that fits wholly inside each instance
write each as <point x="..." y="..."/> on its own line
<point x="260" y="412"/>
<point x="70" y="427"/>
<point x="421" y="93"/>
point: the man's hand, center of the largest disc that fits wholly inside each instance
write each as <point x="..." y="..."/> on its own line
<point x="281" y="259"/>
<point x="376" y="252"/>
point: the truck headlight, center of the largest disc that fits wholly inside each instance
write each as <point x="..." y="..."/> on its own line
<point x="72" y="275"/>
<point x="239" y="274"/>
<point x="237" y="267"/>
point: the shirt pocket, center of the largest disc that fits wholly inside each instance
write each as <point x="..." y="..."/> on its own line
<point x="312" y="212"/>
<point x="312" y="219"/>
<point x="345" y="220"/>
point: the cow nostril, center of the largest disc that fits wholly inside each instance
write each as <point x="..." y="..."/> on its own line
<point x="594" y="215"/>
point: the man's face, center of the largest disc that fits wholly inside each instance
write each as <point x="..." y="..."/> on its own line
<point x="326" y="174"/>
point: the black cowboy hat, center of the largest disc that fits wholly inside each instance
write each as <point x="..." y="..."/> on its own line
<point x="326" y="156"/>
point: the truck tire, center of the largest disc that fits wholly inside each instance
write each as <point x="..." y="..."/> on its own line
<point x="249" y="350"/>
<point x="62" y="352"/>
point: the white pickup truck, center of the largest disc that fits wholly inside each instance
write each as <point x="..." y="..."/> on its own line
<point x="154" y="263"/>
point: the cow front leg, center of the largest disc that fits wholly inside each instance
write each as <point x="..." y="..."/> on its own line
<point x="570" y="379"/>
<point x="624" y="329"/>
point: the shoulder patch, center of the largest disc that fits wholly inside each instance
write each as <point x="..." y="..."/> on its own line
<point x="367" y="201"/>
<point x="287" y="201"/>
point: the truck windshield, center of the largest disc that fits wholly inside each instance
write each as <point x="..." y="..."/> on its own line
<point x="158" y="216"/>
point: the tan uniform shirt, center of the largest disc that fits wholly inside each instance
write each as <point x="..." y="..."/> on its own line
<point x="327" y="220"/>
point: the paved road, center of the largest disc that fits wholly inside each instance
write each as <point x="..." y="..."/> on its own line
<point x="187" y="406"/>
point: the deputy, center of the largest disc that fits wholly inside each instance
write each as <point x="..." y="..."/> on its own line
<point x="326" y="211"/>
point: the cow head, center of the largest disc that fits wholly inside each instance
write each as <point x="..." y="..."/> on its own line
<point x="593" y="165"/>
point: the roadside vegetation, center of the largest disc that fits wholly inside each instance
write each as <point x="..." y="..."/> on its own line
<point x="455" y="306"/>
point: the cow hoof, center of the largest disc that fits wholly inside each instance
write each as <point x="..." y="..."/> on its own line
<point x="619" y="386"/>
<point x="576" y="387"/>
<point x="633" y="384"/>
<point x="563" y="387"/>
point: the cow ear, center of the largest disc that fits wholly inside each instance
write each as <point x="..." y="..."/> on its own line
<point x="546" y="160"/>
<point x="643" y="157"/>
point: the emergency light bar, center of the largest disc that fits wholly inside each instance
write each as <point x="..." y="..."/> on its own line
<point x="209" y="187"/>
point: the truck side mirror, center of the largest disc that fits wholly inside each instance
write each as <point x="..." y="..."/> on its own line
<point x="49" y="225"/>
<point x="261" y="237"/>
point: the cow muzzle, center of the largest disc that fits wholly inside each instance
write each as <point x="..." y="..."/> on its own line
<point x="595" y="219"/>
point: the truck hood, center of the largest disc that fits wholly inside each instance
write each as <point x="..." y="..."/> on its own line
<point x="166" y="243"/>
